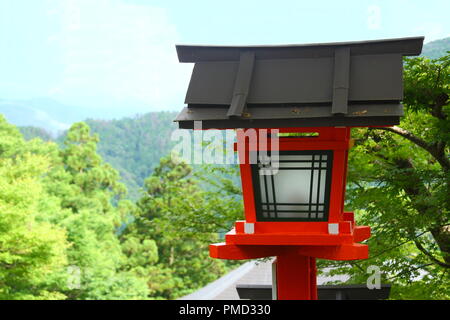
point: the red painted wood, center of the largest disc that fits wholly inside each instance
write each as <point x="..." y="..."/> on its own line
<point x="361" y="233"/>
<point x="232" y="252"/>
<point x="337" y="187"/>
<point x="330" y="138"/>
<point x="313" y="279"/>
<point x="296" y="276"/>
<point x="295" y="244"/>
<point x="298" y="144"/>
<point x="354" y="251"/>
<point x="350" y="144"/>
<point x="349" y="216"/>
<point x="285" y="227"/>
<point x="283" y="239"/>
<point x="248" y="195"/>
<point x="348" y="252"/>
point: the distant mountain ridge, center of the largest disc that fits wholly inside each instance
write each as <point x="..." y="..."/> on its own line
<point x="54" y="116"/>
<point x="436" y="49"/>
<point x="134" y="146"/>
<point x="28" y="113"/>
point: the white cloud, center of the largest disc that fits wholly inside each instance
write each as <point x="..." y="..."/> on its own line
<point x="115" y="51"/>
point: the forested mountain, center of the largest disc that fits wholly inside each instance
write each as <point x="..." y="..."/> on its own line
<point x="134" y="146"/>
<point x="436" y="49"/>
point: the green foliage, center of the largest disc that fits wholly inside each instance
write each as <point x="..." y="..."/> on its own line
<point x="436" y="49"/>
<point x="399" y="181"/>
<point x="89" y="189"/>
<point x="60" y="210"/>
<point x="32" y="251"/>
<point x="67" y="231"/>
<point x="183" y="220"/>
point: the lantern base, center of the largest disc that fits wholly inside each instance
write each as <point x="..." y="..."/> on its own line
<point x="296" y="246"/>
<point x="297" y="233"/>
<point x="227" y="251"/>
<point x="249" y="240"/>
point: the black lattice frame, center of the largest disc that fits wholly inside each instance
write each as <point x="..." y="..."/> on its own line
<point x="259" y="205"/>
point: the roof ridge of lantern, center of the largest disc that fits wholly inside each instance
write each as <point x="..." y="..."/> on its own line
<point x="407" y="46"/>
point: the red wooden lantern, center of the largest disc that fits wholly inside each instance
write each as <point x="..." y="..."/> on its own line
<point x="293" y="108"/>
<point x="296" y="213"/>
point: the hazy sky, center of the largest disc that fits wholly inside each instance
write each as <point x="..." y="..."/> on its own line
<point x="121" y="53"/>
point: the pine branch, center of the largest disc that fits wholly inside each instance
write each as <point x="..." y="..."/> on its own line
<point x="436" y="150"/>
<point x="409" y="270"/>
<point x="429" y="255"/>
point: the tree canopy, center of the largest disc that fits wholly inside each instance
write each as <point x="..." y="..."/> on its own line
<point x="67" y="230"/>
<point x="182" y="219"/>
<point x="32" y="250"/>
<point x="399" y="184"/>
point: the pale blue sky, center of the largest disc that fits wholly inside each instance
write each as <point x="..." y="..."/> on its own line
<point x="121" y="53"/>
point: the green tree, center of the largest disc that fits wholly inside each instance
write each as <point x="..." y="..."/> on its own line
<point x="399" y="179"/>
<point x="32" y="250"/>
<point x="89" y="190"/>
<point x="183" y="220"/>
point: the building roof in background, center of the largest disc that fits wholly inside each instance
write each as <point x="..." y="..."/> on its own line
<point x="250" y="273"/>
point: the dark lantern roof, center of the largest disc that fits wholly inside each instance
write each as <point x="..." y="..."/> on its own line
<point x="326" y="84"/>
